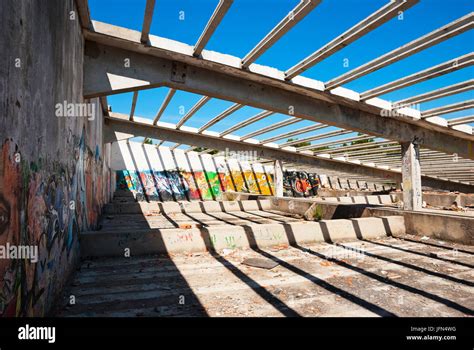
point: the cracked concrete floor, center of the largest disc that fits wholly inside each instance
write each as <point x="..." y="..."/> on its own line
<point x="404" y="276"/>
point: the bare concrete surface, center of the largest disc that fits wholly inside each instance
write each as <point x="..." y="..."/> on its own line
<point x="406" y="276"/>
<point x="173" y="227"/>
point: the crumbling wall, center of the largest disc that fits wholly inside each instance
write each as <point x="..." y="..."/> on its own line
<point x="54" y="170"/>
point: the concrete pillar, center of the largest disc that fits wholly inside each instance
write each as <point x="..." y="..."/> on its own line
<point x="411" y="176"/>
<point x="278" y="176"/>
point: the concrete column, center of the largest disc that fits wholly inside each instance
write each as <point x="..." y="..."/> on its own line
<point x="411" y="176"/>
<point x="278" y="178"/>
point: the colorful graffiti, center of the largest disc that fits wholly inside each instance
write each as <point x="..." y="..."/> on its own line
<point x="250" y="182"/>
<point x="171" y="184"/>
<point x="300" y="184"/>
<point x="197" y="185"/>
<point x="45" y="204"/>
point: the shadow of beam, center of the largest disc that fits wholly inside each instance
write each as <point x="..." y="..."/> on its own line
<point x="421" y="254"/>
<point x="376" y="277"/>
<point x="407" y="265"/>
<point x="320" y="282"/>
<point x="257" y="288"/>
<point x="436" y="245"/>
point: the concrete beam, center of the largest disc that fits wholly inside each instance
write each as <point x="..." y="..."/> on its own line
<point x="456" y="27"/>
<point x="223" y="115"/>
<point x="134" y="103"/>
<point x="304" y="130"/>
<point x="360" y="146"/>
<point x="104" y="73"/>
<point x="143" y="127"/>
<point x="430" y="73"/>
<point x="104" y="105"/>
<point x="289" y="21"/>
<point x="165" y="104"/>
<point x="333" y="143"/>
<point x="247" y="122"/>
<point x="460" y="106"/>
<point x="317" y="137"/>
<point x="199" y="104"/>
<point x="150" y="6"/>
<point x="461" y="120"/>
<point x="365" y="26"/>
<point x="272" y="127"/>
<point x="216" y="18"/>
<point x="438" y="93"/>
<point x="84" y="14"/>
<point x="379" y="151"/>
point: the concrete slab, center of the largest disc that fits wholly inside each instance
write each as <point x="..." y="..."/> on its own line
<point x="374" y="277"/>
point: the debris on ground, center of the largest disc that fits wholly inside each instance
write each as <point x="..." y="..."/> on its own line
<point x="279" y="247"/>
<point x="393" y="276"/>
<point x="455" y="207"/>
<point x="226" y="251"/>
<point x="260" y="263"/>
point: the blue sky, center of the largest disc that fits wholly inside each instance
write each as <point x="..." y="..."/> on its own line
<point x="248" y="21"/>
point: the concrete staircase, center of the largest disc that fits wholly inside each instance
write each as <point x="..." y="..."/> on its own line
<point x="183" y="259"/>
<point x="141" y="228"/>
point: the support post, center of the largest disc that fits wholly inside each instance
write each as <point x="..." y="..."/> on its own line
<point x="278" y="174"/>
<point x="411" y="176"/>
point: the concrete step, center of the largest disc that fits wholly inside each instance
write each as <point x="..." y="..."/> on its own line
<point x="113" y="241"/>
<point x="189" y="207"/>
<point x="184" y="220"/>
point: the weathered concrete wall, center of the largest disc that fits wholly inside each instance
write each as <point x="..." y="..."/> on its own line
<point x="54" y="171"/>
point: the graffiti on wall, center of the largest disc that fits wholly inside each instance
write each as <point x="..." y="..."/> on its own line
<point x="44" y="204"/>
<point x="209" y="185"/>
<point x="300" y="184"/>
<point x="250" y="182"/>
<point x="171" y="184"/>
<point x="197" y="185"/>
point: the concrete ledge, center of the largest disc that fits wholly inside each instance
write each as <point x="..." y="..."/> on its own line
<point x="443" y="226"/>
<point x="319" y="209"/>
<point x="188" y="207"/>
<point x="152" y="241"/>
